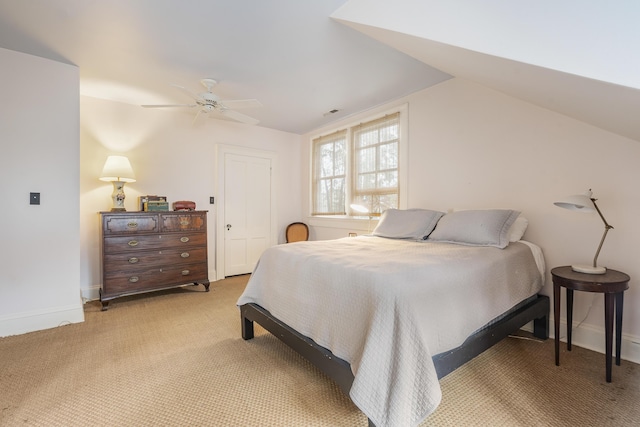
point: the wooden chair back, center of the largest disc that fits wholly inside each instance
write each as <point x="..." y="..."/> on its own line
<point x="297" y="232"/>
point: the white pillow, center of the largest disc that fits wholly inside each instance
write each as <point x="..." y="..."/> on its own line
<point x="518" y="227"/>
<point x="407" y="224"/>
<point x="476" y="227"/>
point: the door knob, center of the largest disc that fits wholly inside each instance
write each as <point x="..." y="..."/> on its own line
<point x="228" y="227"/>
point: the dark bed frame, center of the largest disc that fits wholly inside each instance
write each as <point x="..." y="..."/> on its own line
<point x="536" y="310"/>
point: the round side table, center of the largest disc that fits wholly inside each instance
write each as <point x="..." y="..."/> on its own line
<point x="612" y="284"/>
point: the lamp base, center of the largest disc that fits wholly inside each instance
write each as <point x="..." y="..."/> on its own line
<point x="118" y="196"/>
<point x="589" y="269"/>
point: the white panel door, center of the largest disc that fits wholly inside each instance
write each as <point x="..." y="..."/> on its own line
<point x="247" y="211"/>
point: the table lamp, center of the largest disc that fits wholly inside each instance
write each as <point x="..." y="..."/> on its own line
<point x="586" y="203"/>
<point x="117" y="170"/>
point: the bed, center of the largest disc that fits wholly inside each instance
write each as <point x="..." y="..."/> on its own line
<point x="387" y="315"/>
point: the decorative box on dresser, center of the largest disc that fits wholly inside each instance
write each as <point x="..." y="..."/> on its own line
<point x="149" y="251"/>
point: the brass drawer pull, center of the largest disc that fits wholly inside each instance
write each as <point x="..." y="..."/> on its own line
<point x="132" y="224"/>
<point x="184" y="255"/>
<point x="184" y="239"/>
<point x="185" y="272"/>
<point x="133" y="279"/>
<point x="133" y="260"/>
<point x="133" y="243"/>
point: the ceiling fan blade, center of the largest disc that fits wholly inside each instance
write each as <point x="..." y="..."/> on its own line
<point x="188" y="92"/>
<point x="169" y="105"/>
<point x="234" y="104"/>
<point x="239" y="117"/>
<point x="196" y="117"/>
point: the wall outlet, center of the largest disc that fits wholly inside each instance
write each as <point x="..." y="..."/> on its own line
<point x="353" y="234"/>
<point x="212" y="200"/>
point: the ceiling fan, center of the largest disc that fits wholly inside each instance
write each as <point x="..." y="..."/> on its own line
<point x="208" y="102"/>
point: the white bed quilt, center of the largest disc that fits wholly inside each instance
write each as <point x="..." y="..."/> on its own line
<point x="387" y="306"/>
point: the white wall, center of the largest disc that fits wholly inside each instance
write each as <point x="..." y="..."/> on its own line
<point x="473" y="147"/>
<point x="40" y="263"/>
<point x="171" y="157"/>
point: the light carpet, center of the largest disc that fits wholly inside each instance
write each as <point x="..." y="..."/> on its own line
<point x="176" y="358"/>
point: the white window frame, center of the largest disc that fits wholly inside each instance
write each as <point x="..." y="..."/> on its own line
<point x="331" y="139"/>
<point x="369" y="198"/>
<point x="346" y="221"/>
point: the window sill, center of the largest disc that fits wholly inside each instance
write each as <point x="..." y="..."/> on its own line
<point x="346" y="222"/>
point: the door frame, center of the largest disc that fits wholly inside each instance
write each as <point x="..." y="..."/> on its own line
<point x="221" y="151"/>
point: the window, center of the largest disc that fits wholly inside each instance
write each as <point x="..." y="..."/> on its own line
<point x="357" y="165"/>
<point x="330" y="174"/>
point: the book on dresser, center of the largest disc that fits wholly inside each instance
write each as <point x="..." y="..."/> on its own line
<point x="149" y="251"/>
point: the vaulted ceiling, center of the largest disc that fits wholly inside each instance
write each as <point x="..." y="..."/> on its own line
<point x="573" y="57"/>
<point x="301" y="59"/>
<point x="288" y="54"/>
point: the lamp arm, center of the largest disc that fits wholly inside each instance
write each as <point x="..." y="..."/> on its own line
<point x="606" y="224"/>
<point x="607" y="227"/>
<point x="595" y="258"/>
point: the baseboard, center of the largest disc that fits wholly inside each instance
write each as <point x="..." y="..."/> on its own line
<point x="90" y="294"/>
<point x="592" y="338"/>
<point x="21" y="323"/>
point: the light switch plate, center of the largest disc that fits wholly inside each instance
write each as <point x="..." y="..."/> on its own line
<point x="34" y="198"/>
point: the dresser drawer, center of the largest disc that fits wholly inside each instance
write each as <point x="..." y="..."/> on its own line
<point x="183" y="222"/>
<point x="117" y="244"/>
<point x="121" y="283"/>
<point x="130" y="224"/>
<point x="129" y="261"/>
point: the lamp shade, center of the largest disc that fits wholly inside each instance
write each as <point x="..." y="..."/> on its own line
<point x="577" y="202"/>
<point x="117" y="168"/>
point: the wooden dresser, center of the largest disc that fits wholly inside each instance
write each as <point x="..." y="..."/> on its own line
<point x="148" y="251"/>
